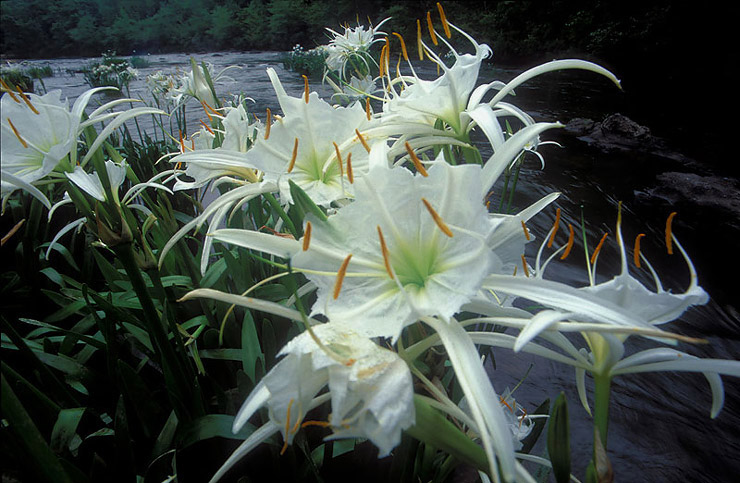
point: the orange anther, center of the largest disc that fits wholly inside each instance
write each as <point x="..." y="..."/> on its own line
<point x="384" y="251"/>
<point x="307" y="236"/>
<point x="569" y="246"/>
<point x="524" y="227"/>
<point x="443" y="18"/>
<point x="340" y="276"/>
<point x="182" y="143"/>
<point x="669" y="233"/>
<point x="9" y="91"/>
<point x="323" y="424"/>
<point x="26" y="100"/>
<point x="362" y="140"/>
<point x="368" y="113"/>
<point x="403" y="46"/>
<point x="350" y="174"/>
<point x="524" y="266"/>
<point x="431" y="28"/>
<point x="17" y="134"/>
<point x="205" y="109"/>
<point x="419" y="46"/>
<point x="339" y="159"/>
<point x="503" y="401"/>
<point x="305" y="88"/>
<point x="287" y="427"/>
<point x="437" y="219"/>
<point x="554" y="226"/>
<point x="415" y="159"/>
<point x="207" y="127"/>
<point x="291" y="165"/>
<point x="637" y="249"/>
<point x="268" y="124"/>
<point x="598" y="248"/>
<point x="383" y="55"/>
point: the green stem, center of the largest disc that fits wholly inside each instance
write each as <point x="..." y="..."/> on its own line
<point x="172" y="365"/>
<point x="602" y="390"/>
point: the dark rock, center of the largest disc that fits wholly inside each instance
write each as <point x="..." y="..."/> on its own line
<point x="713" y="192"/>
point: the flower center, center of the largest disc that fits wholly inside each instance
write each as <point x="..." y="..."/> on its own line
<point x="415" y="263"/>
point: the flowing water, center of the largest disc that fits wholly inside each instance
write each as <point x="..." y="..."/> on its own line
<point x="660" y="427"/>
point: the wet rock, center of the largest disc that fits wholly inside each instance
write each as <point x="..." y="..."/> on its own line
<point x="714" y="192"/>
<point x="618" y="133"/>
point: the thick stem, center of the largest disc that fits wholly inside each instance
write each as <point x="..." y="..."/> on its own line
<point x="602" y="390"/>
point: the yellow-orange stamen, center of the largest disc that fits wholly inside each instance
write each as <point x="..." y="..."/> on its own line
<point x="417" y="162"/>
<point x="350" y="362"/>
<point x="554" y="228"/>
<point x="287" y="427"/>
<point x="205" y="109"/>
<point x="524" y="266"/>
<point x="669" y="233"/>
<point x="383" y="54"/>
<point x="291" y="165"/>
<point x="12" y="231"/>
<point x="524" y="227"/>
<point x="437" y="219"/>
<point x="350" y="174"/>
<point x="637" y="249"/>
<point x="443" y="18"/>
<point x="339" y="159"/>
<point x="384" y="250"/>
<point x="368" y="113"/>
<point x="26" y="100"/>
<point x="362" y="140"/>
<point x="305" y="89"/>
<point x="569" y="246"/>
<point x="418" y="39"/>
<point x="340" y="276"/>
<point x="9" y="91"/>
<point x="268" y="124"/>
<point x="17" y="134"/>
<point x="207" y="127"/>
<point x="503" y="401"/>
<point x="403" y="46"/>
<point x="182" y="143"/>
<point x="323" y="424"/>
<point x="192" y="144"/>
<point x="431" y="29"/>
<point x="307" y="236"/>
<point x="598" y="248"/>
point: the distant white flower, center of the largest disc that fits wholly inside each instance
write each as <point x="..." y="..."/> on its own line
<point x="91" y="184"/>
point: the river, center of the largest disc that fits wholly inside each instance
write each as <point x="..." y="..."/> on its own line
<point x="660" y="427"/>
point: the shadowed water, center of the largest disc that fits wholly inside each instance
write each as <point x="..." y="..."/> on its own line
<point x="660" y="427"/>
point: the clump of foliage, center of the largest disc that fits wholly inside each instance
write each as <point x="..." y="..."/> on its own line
<point x="139" y="62"/>
<point x="16" y="77"/>
<point x="308" y="62"/>
<point x="112" y="71"/>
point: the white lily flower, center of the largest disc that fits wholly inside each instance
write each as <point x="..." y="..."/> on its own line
<point x="91" y="184"/>
<point x="371" y="388"/>
<point x="36" y="133"/>
<point x="417" y="246"/>
<point x="351" y="45"/>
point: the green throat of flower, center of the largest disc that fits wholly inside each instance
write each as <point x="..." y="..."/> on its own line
<point x="415" y="263"/>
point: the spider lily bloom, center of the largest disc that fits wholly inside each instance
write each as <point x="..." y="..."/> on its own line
<point x="352" y="46"/>
<point x="454" y="100"/>
<point x="622" y="301"/>
<point x="225" y="163"/>
<point x="38" y="132"/>
<point x="417" y="246"/>
<point x="311" y="145"/>
<point x="370" y="389"/>
<point x="194" y="84"/>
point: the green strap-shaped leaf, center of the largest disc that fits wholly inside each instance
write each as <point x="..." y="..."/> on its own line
<point x="304" y="202"/>
<point x="558" y="440"/>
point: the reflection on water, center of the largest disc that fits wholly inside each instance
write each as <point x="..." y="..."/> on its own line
<point x="660" y="427"/>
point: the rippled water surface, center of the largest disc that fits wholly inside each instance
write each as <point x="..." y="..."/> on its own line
<point x="660" y="426"/>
